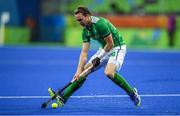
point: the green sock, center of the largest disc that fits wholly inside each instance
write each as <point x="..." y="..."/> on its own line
<point x="72" y="88"/>
<point x="120" y="81"/>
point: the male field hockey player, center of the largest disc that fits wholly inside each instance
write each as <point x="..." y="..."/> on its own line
<point x="110" y="55"/>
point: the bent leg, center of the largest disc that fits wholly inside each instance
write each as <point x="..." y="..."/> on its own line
<point x="75" y="85"/>
<point x="121" y="82"/>
<point x="110" y="72"/>
<point x="72" y="88"/>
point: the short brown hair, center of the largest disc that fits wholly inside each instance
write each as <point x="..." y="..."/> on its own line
<point x="82" y="9"/>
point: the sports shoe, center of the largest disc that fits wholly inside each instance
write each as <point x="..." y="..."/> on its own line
<point x="135" y="97"/>
<point x="58" y="98"/>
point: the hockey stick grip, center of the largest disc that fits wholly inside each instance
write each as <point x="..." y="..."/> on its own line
<point x="86" y="71"/>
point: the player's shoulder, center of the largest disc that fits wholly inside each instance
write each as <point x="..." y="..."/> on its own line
<point x="95" y="19"/>
<point x="98" y="21"/>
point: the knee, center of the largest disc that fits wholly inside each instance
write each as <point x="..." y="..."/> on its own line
<point x="109" y="74"/>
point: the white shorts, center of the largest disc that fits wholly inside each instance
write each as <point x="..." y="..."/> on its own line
<point x="115" y="56"/>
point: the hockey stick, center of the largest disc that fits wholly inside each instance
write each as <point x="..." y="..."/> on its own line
<point x="82" y="75"/>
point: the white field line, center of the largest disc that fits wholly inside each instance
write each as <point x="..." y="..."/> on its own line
<point x="91" y="96"/>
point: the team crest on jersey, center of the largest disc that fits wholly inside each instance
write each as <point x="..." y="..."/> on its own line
<point x="113" y="54"/>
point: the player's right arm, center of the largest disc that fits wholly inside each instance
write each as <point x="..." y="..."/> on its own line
<point x="82" y="59"/>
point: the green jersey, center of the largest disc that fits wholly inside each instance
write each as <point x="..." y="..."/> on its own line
<point x="100" y="29"/>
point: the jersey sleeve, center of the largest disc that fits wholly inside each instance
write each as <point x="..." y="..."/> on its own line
<point x="85" y="38"/>
<point x="103" y="29"/>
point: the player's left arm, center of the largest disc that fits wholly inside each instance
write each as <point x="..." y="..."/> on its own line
<point x="105" y="33"/>
<point x="109" y="43"/>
